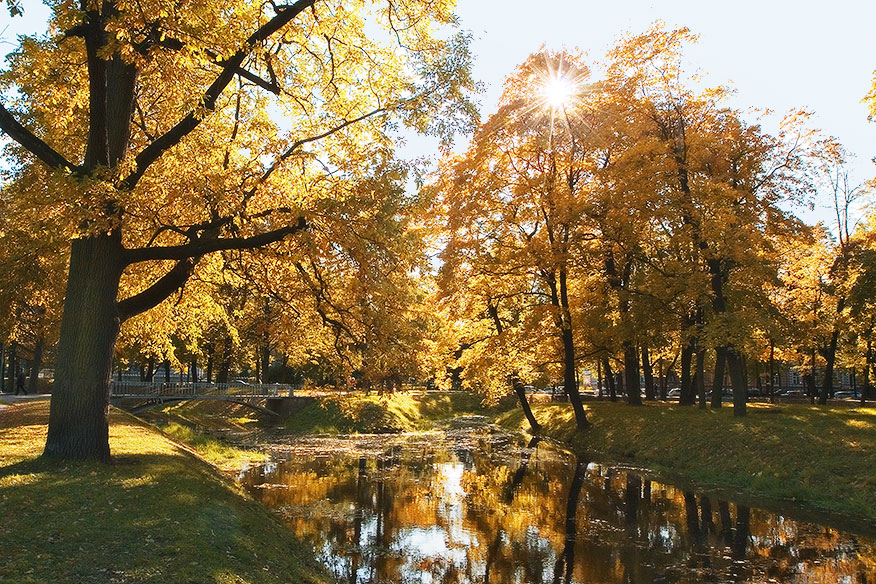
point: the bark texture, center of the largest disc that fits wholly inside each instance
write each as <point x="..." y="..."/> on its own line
<point x="631" y="374"/>
<point x="78" y="427"/>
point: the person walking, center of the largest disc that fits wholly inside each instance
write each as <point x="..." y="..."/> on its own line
<point x="19" y="383"/>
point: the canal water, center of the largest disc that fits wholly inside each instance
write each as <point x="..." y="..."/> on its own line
<point x="475" y="504"/>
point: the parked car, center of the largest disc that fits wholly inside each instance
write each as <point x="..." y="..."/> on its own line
<point x="846" y="394"/>
<point x="726" y="393"/>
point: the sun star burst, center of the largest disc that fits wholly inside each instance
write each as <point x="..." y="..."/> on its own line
<point x="558" y="91"/>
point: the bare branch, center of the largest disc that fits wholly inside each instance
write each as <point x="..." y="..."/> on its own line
<point x="299" y="143"/>
<point x="33" y="144"/>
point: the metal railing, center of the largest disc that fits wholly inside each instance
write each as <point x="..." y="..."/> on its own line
<point x="147" y="389"/>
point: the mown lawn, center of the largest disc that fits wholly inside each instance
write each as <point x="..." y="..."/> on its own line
<point x="158" y="515"/>
<point x="821" y="458"/>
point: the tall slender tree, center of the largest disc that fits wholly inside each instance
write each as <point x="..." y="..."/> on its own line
<point x="515" y="196"/>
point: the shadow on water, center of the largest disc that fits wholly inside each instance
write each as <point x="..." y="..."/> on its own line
<point x="479" y="505"/>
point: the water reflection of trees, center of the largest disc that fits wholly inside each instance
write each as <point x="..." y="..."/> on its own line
<point x="491" y="510"/>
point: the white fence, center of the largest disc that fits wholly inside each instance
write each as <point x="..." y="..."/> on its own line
<point x="146" y="389"/>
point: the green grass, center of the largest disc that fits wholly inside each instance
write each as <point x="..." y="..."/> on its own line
<point x="158" y="515"/>
<point x="823" y="458"/>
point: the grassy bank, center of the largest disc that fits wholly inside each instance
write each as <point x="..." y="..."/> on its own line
<point x="819" y="458"/>
<point x="222" y="433"/>
<point x="159" y="515"/>
<point x="384" y="414"/>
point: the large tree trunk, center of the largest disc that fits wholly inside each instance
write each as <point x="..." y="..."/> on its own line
<point x="265" y="356"/>
<point x="563" y="320"/>
<point x="758" y="382"/>
<point x="687" y="352"/>
<point x="772" y="385"/>
<point x="35" y="365"/>
<point x="609" y="379"/>
<point x="737" y="380"/>
<point x="631" y="374"/>
<point x="853" y="374"/>
<point x="648" y="372"/>
<point x="210" y="350"/>
<point x="150" y="372"/>
<point x="225" y="364"/>
<point x="809" y="385"/>
<point x="619" y="382"/>
<point x="718" y="379"/>
<point x="868" y="367"/>
<point x="570" y="381"/>
<point x="514" y="380"/>
<point x="829" y="359"/>
<point x="2" y="365"/>
<point x="12" y="371"/>
<point x="78" y="425"/>
<point x="700" y="377"/>
<point x="598" y="379"/>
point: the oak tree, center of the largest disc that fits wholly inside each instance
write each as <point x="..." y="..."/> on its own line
<point x="168" y="131"/>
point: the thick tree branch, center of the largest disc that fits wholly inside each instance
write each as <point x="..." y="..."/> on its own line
<point x="159" y="291"/>
<point x="157" y="38"/>
<point x="208" y="101"/>
<point x="96" y="150"/>
<point x="200" y="247"/>
<point x="32" y="144"/>
<point x="266" y="85"/>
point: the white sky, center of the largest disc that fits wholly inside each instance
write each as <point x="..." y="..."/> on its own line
<point x="778" y="54"/>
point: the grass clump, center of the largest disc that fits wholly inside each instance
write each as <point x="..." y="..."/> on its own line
<point x="158" y="515"/>
<point x="218" y="453"/>
<point x="823" y="458"/>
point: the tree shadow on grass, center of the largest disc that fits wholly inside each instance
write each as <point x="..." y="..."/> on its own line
<point x="158" y="518"/>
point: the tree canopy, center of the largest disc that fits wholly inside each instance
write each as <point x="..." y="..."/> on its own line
<point x="156" y="134"/>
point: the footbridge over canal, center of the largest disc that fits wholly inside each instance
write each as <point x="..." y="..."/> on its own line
<point x="272" y="399"/>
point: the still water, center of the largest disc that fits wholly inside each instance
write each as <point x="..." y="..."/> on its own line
<point x="475" y="504"/>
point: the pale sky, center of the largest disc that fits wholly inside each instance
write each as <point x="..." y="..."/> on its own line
<point x="778" y="54"/>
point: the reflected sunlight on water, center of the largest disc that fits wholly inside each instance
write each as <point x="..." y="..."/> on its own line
<point x="479" y="505"/>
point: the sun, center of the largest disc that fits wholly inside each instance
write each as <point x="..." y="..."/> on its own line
<point x="558" y="91"/>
